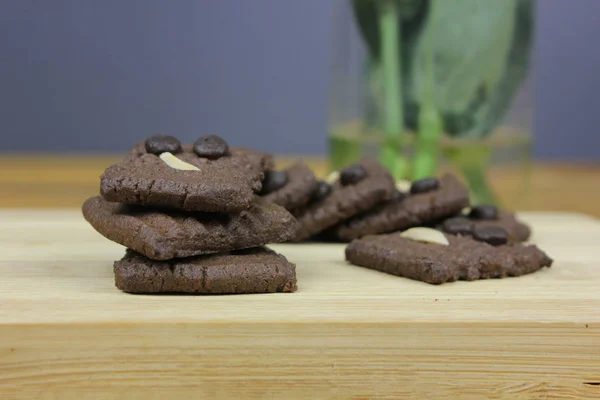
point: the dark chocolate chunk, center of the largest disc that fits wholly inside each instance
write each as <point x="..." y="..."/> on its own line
<point x="273" y="181"/>
<point x="464" y="258"/>
<point x="493" y="235"/>
<point x="516" y="229"/>
<point x="484" y="211"/>
<point x="322" y="191"/>
<point x="352" y="174"/>
<point x="256" y="270"/>
<point x="211" y="147"/>
<point x="458" y="226"/>
<point x="424" y="185"/>
<point x="165" y="234"/>
<point x="158" y="144"/>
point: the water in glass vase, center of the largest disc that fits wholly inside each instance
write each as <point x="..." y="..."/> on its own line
<point x="430" y="86"/>
<point x="507" y="148"/>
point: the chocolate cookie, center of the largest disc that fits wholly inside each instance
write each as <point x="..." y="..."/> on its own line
<point x="407" y="210"/>
<point x="165" y="234"/>
<point x="364" y="185"/>
<point x="224" y="184"/>
<point x="464" y="258"/>
<point x="256" y="270"/>
<point x="298" y="187"/>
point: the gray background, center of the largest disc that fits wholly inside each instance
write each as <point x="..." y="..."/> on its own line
<point x="97" y="75"/>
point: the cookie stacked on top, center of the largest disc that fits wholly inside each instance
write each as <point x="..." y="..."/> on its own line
<point x="192" y="221"/>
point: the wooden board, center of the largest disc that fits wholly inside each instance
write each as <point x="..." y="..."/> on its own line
<point x="349" y="333"/>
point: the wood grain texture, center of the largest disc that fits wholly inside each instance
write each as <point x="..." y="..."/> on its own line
<point x="348" y="333"/>
<point x="67" y="180"/>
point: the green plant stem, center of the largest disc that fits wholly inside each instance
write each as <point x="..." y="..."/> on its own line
<point x="430" y="123"/>
<point x="393" y="117"/>
<point x="473" y="162"/>
<point x="481" y="191"/>
<point x="427" y="148"/>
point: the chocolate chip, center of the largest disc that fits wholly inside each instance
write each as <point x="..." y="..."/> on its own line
<point x="400" y="195"/>
<point x="273" y="181"/>
<point x="493" y="235"/>
<point x="484" y="211"/>
<point x="424" y="185"/>
<point x="322" y="191"/>
<point x="352" y="174"/>
<point x="158" y="144"/>
<point x="211" y="146"/>
<point x="458" y="226"/>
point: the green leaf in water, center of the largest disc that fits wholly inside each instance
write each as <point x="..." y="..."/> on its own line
<point x="472" y="162"/>
<point x="481" y="51"/>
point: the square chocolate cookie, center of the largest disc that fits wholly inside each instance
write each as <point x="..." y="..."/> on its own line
<point x="256" y="270"/>
<point x="189" y="177"/>
<point x="165" y="234"/>
<point x="461" y="257"/>
<point x="359" y="187"/>
<point x="421" y="206"/>
<point x="290" y="188"/>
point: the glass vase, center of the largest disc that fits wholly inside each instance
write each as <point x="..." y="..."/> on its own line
<point x="434" y="86"/>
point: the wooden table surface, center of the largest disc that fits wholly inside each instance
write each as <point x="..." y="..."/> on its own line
<point x="348" y="333"/>
<point x="62" y="181"/>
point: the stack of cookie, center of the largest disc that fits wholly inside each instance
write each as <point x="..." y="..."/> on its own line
<point x="321" y="205"/>
<point x="191" y="219"/>
<point x="429" y="232"/>
<point x="424" y="230"/>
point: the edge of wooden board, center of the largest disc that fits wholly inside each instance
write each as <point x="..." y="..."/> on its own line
<point x="301" y="361"/>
